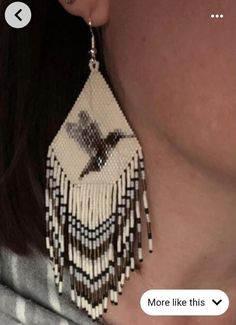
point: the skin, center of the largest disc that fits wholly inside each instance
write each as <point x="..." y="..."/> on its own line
<point x="173" y="68"/>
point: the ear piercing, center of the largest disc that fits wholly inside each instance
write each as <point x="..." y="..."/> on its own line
<point x="68" y="2"/>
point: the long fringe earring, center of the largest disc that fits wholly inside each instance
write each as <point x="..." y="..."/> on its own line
<point x="96" y="192"/>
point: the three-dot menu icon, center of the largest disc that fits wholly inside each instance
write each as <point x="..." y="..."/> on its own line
<point x="217" y="16"/>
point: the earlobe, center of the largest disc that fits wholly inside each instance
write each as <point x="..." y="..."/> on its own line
<point x="96" y="10"/>
<point x="99" y="14"/>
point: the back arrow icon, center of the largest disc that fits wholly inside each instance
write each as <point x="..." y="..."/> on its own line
<point x="17" y="14"/>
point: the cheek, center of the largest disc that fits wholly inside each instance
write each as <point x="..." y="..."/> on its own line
<point x="178" y="72"/>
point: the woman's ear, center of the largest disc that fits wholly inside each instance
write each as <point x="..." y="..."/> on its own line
<point x="97" y="10"/>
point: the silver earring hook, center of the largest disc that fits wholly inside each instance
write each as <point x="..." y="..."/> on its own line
<point x="93" y="63"/>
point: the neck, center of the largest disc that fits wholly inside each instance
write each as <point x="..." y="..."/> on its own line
<point x="193" y="217"/>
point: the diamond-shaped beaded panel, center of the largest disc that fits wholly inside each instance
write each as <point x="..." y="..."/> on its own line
<point x="98" y="103"/>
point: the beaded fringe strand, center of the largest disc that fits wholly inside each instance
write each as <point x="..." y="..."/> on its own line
<point x="103" y="224"/>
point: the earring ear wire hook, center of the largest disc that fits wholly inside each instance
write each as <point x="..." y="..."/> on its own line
<point x="93" y="51"/>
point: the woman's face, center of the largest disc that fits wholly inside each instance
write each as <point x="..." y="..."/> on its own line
<point x="174" y="70"/>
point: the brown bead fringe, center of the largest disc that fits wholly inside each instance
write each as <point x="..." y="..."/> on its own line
<point x="103" y="221"/>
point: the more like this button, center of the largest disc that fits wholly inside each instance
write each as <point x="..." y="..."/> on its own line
<point x="18" y="14"/>
<point x="184" y="302"/>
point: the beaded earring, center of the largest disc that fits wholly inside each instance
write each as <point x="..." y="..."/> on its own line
<point x="96" y="196"/>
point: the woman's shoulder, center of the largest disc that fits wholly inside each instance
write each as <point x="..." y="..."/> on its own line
<point x="28" y="291"/>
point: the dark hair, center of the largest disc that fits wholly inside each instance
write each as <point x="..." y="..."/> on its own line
<point x="42" y="69"/>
